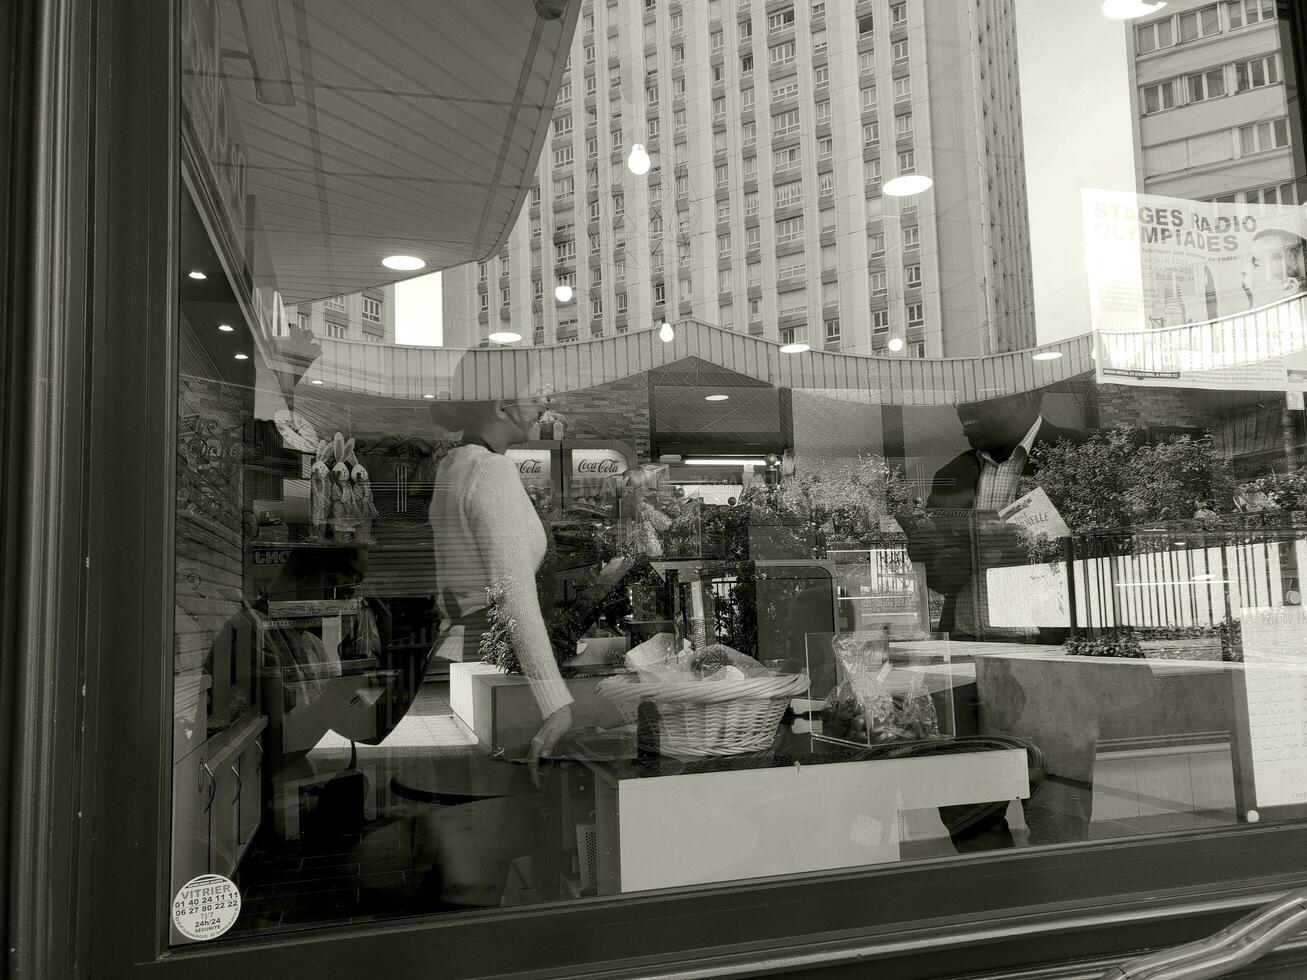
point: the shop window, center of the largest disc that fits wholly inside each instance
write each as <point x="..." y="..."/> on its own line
<point x="391" y="570"/>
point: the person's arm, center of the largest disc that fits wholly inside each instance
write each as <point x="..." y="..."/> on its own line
<point x="501" y="517"/>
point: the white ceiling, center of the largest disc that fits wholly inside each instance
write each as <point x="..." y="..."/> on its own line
<point x="414" y="128"/>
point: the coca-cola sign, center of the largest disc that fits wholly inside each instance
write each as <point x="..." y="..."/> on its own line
<point x="591" y="464"/>
<point x="533" y="466"/>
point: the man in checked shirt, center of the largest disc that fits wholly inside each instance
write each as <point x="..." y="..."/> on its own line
<point x="1003" y="433"/>
<point x="971" y="489"/>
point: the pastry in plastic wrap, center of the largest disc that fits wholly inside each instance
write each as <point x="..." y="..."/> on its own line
<point x="863" y="707"/>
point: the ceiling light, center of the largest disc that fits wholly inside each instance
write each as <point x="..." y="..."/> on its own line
<point x="504" y="337"/>
<point x="1128" y="9"/>
<point x="404" y="263"/>
<point x="725" y="461"/>
<point x="563" y="293"/>
<point x="226" y="327"/>
<point x="316" y="381"/>
<point x="895" y="344"/>
<point x="242" y="357"/>
<point x="429" y="397"/>
<point x="638" y="162"/>
<point x="715" y="398"/>
<point x="796" y="348"/>
<point x="666" y="333"/>
<point x="1046" y="355"/>
<point x="197" y="275"/>
<point x="907" y="185"/>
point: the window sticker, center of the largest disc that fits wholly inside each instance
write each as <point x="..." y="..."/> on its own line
<point x="206" y="907"/>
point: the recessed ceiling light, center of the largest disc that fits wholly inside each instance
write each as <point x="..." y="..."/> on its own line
<point x="504" y="337"/>
<point x="197" y="275"/>
<point x="242" y="357"/>
<point x="895" y="344"/>
<point x="1046" y="355"/>
<point x="797" y="348"/>
<point x="226" y="327"/>
<point x="404" y="263"/>
<point x="715" y="398"/>
<point x="316" y="381"/>
<point x="907" y="185"/>
<point x="429" y="397"/>
<point x="666" y="333"/>
<point x="1129" y="9"/>
<point x="563" y="293"/>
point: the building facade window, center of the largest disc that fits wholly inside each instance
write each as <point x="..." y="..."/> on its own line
<point x="781" y="54"/>
<point x="1263" y="136"/>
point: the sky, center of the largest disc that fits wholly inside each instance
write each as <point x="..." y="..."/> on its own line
<point x="1077" y="116"/>
<point x="418" y="313"/>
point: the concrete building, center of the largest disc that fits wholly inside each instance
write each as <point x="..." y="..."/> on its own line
<point x="1211" y="105"/>
<point x="772" y="129"/>
<point x="369" y="316"/>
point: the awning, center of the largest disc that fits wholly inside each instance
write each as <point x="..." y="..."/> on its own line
<point x="369" y="129"/>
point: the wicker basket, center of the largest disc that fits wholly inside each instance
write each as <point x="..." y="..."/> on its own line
<point x="706" y="719"/>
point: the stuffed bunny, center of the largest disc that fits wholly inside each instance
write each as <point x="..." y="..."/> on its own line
<point x="341" y="493"/>
<point x="361" y="488"/>
<point x="320" y="488"/>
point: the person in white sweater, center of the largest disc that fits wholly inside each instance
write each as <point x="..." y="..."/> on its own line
<point x="486" y="531"/>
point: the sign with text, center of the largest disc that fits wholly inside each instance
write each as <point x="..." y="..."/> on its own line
<point x="534" y="466"/>
<point x="597" y="464"/>
<point x="1036" y="515"/>
<point x="1156" y="261"/>
<point x="1195" y="294"/>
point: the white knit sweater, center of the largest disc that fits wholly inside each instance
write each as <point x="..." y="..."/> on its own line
<point x="486" y="529"/>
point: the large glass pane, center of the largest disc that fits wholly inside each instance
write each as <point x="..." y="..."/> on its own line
<point x="519" y="560"/>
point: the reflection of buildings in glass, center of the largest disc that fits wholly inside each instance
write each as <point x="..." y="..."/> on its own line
<point x="764" y="205"/>
<point x="1210" y="103"/>
<point x="367" y="316"/>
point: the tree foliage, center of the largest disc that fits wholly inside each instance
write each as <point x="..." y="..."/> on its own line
<point x="1117" y="479"/>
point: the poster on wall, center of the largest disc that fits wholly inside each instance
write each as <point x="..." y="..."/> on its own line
<point x="1195" y="294"/>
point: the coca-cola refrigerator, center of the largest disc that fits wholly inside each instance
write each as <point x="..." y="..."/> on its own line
<point x="584" y="474"/>
<point x="595" y="473"/>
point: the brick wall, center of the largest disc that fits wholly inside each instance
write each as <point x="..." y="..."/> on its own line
<point x="617" y="410"/>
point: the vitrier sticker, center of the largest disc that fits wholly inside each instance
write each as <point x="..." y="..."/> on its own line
<point x="206" y="907"/>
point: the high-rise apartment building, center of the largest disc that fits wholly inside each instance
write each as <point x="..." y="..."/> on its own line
<point x="1212" y="112"/>
<point x="773" y="129"/>
<point x="368" y="316"/>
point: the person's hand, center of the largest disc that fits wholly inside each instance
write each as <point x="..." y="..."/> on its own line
<point x="547" y="738"/>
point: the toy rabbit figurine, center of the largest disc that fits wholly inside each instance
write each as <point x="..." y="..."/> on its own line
<point x="342" y="496"/>
<point x="320" y="489"/>
<point x="364" y="508"/>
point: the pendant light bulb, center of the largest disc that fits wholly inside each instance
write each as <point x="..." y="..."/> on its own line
<point x="638" y="162"/>
<point x="666" y="333"/>
<point x="563" y="293"/>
